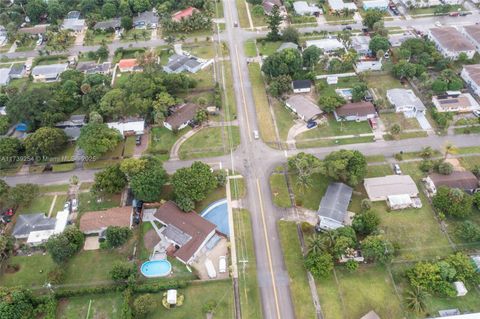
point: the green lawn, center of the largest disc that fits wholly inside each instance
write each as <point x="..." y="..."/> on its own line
<point x="229" y="103"/>
<point x="210" y="141"/>
<point x="332" y="142"/>
<point x="53" y="188"/>
<point x="334" y="128"/>
<point x="470" y="162"/>
<point x="88" y="202"/>
<point x="129" y="146"/>
<point x="356" y="293"/>
<point x="379" y="170"/>
<point x="136" y="35"/>
<point x="299" y="288"/>
<point x="467" y="130"/>
<point x="202" y="49"/>
<point x="375" y="158"/>
<point x="278" y="187"/>
<point x="162" y="140"/>
<point x="431" y="10"/>
<point x="468" y="150"/>
<point x="98" y="37"/>
<point x="97" y="306"/>
<point x="267" y="47"/>
<point x="204" y="78"/>
<point x="309" y="198"/>
<point x="380" y="83"/>
<point x="66" y="167"/>
<point x="398" y="118"/>
<point x="237" y="188"/>
<point x="196" y="296"/>
<point x="250" y="48"/>
<point x="264" y="117"/>
<point x="33" y="271"/>
<point x="242" y="13"/>
<point x="248" y="285"/>
<point x="417" y="155"/>
<point x="41" y="204"/>
<point x="215" y="195"/>
<point x="283" y="118"/>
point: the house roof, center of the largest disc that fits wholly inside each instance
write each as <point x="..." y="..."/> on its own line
<point x="475" y="315"/>
<point x="302" y="7"/>
<point x="269" y="4"/>
<point x="474" y="72"/>
<point x="107" y="24"/>
<point x="371" y="315"/>
<point x="188" y="224"/>
<point x="325" y="44"/>
<point x="356" y="109"/>
<point x="74" y="120"/>
<point x="91" y="67"/>
<point x="335" y="202"/>
<point x="137" y="126"/>
<point x="17" y="69"/>
<point x="98" y="220"/>
<point x="473" y="31"/>
<point x="301" y="84"/>
<point x="337" y="5"/>
<point x="127" y="63"/>
<point x="361" y="42"/>
<point x="182" y="114"/>
<point x="396" y="40"/>
<point x="403" y="97"/>
<point x="457" y="179"/>
<point x="304" y="106"/>
<point x="4" y="76"/>
<point x="188" y="12"/>
<point x="37" y="29"/>
<point x="451" y="39"/>
<point x="464" y="100"/>
<point x="287" y="45"/>
<point x="27" y="223"/>
<point x="49" y="70"/>
<point x="148" y="17"/>
<point x="73" y="15"/>
<point x="390" y="185"/>
<point x="177" y="61"/>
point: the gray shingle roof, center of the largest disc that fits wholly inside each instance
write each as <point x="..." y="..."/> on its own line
<point x="335" y="202"/>
<point x="403" y="97"/>
<point x="50" y="69"/>
<point x="27" y="223"/>
<point x="177" y="235"/>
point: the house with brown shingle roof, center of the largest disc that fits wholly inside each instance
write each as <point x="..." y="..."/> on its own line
<point x="356" y="111"/>
<point x="471" y="75"/>
<point x="472" y="32"/>
<point x="187" y="232"/>
<point x="181" y="116"/>
<point x="451" y="42"/>
<point x="98" y="221"/>
<point x="464" y="180"/>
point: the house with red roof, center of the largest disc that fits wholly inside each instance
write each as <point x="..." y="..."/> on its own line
<point x="184" y="14"/>
<point x="129" y="65"/>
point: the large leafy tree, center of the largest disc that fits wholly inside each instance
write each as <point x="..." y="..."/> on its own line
<point x="147" y="183"/>
<point x="285" y="62"/>
<point x="10" y="149"/>
<point x="22" y="194"/>
<point x="452" y="202"/>
<point x="311" y="56"/>
<point x="371" y="17"/>
<point x="35" y="9"/>
<point x="109" y="181"/>
<point x="330" y="102"/>
<point x="304" y="166"/>
<point x="64" y="246"/>
<point x="345" y="165"/>
<point x="117" y="236"/>
<point x="273" y="21"/>
<point x="379" y="43"/>
<point x="404" y="69"/>
<point x="45" y="142"/>
<point x="320" y="265"/>
<point x="193" y="183"/>
<point x="16" y="303"/>
<point x="96" y="139"/>
<point x="366" y="222"/>
<point x="377" y="249"/>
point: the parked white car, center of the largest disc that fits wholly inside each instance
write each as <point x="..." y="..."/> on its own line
<point x="222" y="264"/>
<point x="210" y="269"/>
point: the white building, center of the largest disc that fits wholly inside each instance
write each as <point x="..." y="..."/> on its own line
<point x="360" y="43"/>
<point x="303" y="107"/>
<point x="471" y="75"/>
<point x="332" y="213"/>
<point x="381" y="188"/>
<point x="472" y="32"/>
<point x="451" y="42"/>
<point x="338" y="5"/>
<point x="48" y="73"/>
<point x="129" y="127"/>
<point x="4" y="76"/>
<point x="363" y="66"/>
<point x="303" y="8"/>
<point x="463" y="102"/>
<point x="405" y="101"/>
<point x="327" y="45"/>
<point x="375" y="4"/>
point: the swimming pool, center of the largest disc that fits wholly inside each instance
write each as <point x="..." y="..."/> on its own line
<point x="156" y="268"/>
<point x="217" y="213"/>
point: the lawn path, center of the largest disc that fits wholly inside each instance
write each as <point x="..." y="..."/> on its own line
<point x="52" y="205"/>
<point x="249" y="16"/>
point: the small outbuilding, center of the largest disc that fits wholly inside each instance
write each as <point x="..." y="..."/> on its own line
<point x="301" y="86"/>
<point x="460" y="288"/>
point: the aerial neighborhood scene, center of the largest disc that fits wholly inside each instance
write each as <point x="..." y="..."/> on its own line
<point x="239" y="159"/>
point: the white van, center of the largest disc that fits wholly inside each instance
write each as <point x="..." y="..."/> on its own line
<point x="256" y="135"/>
<point x="210" y="269"/>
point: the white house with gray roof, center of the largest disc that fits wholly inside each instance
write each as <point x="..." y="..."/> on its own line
<point x="48" y="73"/>
<point x="303" y="107"/>
<point x="405" y="101"/>
<point x="332" y="213"/>
<point x="4" y="76"/>
<point x="303" y="8"/>
<point x="178" y="63"/>
<point x="471" y="75"/>
<point x="381" y="188"/>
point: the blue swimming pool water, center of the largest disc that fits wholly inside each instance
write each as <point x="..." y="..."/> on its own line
<point x="217" y="213"/>
<point x="156" y="268"/>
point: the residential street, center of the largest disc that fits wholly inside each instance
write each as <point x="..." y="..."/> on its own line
<point x="255" y="160"/>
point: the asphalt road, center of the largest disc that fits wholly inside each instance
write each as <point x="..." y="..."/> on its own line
<point x="255" y="160"/>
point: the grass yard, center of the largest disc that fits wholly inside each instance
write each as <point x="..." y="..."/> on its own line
<point x="405" y="136"/>
<point x="283" y="117"/>
<point x="467" y="130"/>
<point x="470" y="162"/>
<point x="334" y="128"/>
<point x="129" y="146"/>
<point x="215" y="195"/>
<point x="41" y="204"/>
<point x="278" y="187"/>
<point x="417" y="155"/>
<point x="204" y="78"/>
<point x="135" y="35"/>
<point x="333" y="142"/>
<point x="98" y="37"/>
<point x="162" y="140"/>
<point x="258" y="20"/>
<point x="28" y="45"/>
<point x="267" y="48"/>
<point x="468" y="150"/>
<point x="53" y="188"/>
<point x="248" y="285"/>
<point x="431" y="10"/>
<point x="88" y="202"/>
<point x="66" y="154"/>
<point x="379" y="170"/>
<point x="398" y="118"/>
<point x="309" y="198"/>
<point x="380" y="83"/>
<point x="59" y="204"/>
<point x="229" y="103"/>
<point x="375" y="158"/>
<point x="97" y="306"/>
<point x="323" y="88"/>
<point x="292" y="254"/>
<point x="201" y="49"/>
<point x="242" y="7"/>
<point x="265" y="121"/>
<point x="210" y="141"/>
<point x="66" y="167"/>
<point x="196" y="296"/>
<point x="237" y="188"/>
<point x="250" y="48"/>
<point x="33" y="271"/>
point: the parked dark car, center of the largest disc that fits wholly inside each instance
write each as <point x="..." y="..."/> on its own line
<point x="347" y="28"/>
<point x="311" y="124"/>
<point x="138" y="140"/>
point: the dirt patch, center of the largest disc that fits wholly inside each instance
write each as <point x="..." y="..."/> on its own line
<point x="62" y="305"/>
<point x="456" y="164"/>
<point x="11" y="269"/>
<point x="150" y="239"/>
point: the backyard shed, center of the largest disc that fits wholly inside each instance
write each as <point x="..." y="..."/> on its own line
<point x="460" y="288"/>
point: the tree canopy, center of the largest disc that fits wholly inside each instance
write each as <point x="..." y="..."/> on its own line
<point x="96" y="139"/>
<point x="45" y="142"/>
<point x="109" y="181"/>
<point x="64" y="246"/>
<point x="345" y="165"/>
<point x="147" y="183"/>
<point x="452" y="202"/>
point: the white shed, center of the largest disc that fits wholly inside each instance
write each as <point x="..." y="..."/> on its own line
<point x="399" y="201"/>
<point x="172" y="296"/>
<point x="460" y="288"/>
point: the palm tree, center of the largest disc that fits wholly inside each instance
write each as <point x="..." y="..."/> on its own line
<point x="135" y="37"/>
<point x="304" y="181"/>
<point x="416" y="300"/>
<point x="315" y="244"/>
<point x="426" y="152"/>
<point x="449" y="149"/>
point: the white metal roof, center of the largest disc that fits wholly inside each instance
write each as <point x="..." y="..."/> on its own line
<point x="402" y="199"/>
<point x="135" y="126"/>
<point x="326" y="44"/>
